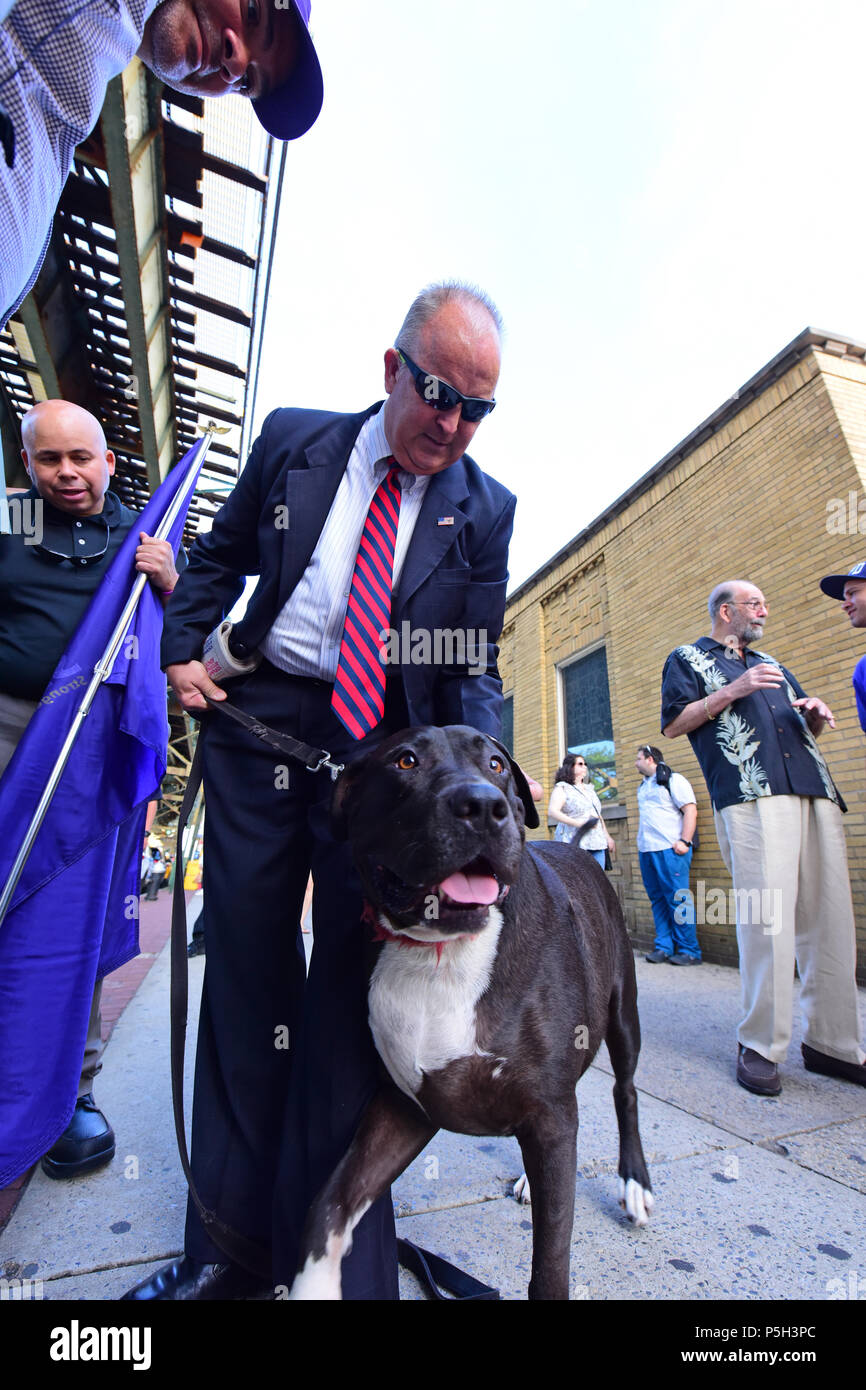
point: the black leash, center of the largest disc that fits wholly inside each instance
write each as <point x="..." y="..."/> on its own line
<point x="247" y="1253"/>
<point x="433" y="1271"/>
<point x="314" y="759"/>
<point x="437" y="1274"/>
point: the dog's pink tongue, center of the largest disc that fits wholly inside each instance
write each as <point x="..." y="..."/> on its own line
<point x="471" y="888"/>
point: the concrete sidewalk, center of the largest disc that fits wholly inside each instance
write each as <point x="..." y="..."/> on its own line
<point x="755" y="1198"/>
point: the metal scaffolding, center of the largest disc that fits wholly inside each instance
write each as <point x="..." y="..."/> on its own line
<point x="149" y="308"/>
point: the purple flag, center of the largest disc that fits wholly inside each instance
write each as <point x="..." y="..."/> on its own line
<point x="74" y="915"/>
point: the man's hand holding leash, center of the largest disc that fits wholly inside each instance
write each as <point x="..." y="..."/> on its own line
<point x="191" y="683"/>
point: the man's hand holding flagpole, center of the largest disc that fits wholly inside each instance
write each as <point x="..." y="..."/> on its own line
<point x="177" y="510"/>
<point x="79" y="781"/>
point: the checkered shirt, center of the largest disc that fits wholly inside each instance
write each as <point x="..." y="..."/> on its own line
<point x="56" y="59"/>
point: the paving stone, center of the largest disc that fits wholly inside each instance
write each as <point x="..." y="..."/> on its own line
<point x="756" y="1198"/>
<point x="737" y="1224"/>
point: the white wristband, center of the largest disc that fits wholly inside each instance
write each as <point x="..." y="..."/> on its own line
<point x="218" y="660"/>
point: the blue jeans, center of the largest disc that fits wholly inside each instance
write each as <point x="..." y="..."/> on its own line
<point x="665" y="873"/>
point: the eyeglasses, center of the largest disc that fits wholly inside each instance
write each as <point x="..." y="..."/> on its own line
<point x="441" y="396"/>
<point x="753" y="603"/>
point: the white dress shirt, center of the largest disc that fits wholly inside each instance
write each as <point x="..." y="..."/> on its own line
<point x="305" y="637"/>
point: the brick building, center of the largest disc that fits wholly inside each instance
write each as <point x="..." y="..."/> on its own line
<point x="771" y="488"/>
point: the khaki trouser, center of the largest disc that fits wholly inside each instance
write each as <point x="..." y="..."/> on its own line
<point x="15" y="715"/>
<point x="788" y="860"/>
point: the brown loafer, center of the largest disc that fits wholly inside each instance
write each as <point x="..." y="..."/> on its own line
<point x="832" y="1066"/>
<point x="756" y="1073"/>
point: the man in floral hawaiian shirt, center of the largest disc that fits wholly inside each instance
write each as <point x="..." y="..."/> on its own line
<point x="779" y="825"/>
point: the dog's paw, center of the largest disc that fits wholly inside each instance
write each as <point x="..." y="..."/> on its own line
<point x="521" y="1190"/>
<point x="636" y="1201"/>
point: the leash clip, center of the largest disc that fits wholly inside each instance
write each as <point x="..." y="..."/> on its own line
<point x="314" y="759"/>
<point x="325" y="761"/>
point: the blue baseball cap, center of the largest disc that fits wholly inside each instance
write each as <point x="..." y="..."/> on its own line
<point x="289" y="111"/>
<point x="834" y="584"/>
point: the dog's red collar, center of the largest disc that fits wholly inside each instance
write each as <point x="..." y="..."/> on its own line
<point x="381" y="933"/>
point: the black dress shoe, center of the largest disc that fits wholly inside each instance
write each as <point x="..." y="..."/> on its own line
<point x="85" y="1144"/>
<point x="832" y="1066"/>
<point x="186" y="1278"/>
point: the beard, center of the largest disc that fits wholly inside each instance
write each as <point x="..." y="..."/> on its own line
<point x="752" y="630"/>
<point x="170" y="42"/>
<point x="743" y="632"/>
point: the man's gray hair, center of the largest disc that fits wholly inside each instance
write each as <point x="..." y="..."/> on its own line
<point x="723" y="593"/>
<point x="435" y="297"/>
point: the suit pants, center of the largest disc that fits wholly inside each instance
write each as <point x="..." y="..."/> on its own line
<point x="285" y="1064"/>
<point x="788" y="860"/>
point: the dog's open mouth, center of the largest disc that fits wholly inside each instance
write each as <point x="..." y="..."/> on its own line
<point x="459" y="902"/>
<point x="474" y="886"/>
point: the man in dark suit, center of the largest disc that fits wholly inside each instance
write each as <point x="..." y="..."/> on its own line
<point x="271" y="1121"/>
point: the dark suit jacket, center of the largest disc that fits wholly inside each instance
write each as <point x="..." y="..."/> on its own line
<point x="454" y="576"/>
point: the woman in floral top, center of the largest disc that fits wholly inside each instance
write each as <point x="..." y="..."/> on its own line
<point x="573" y="802"/>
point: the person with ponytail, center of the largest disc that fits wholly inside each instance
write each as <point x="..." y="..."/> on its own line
<point x="665" y="840"/>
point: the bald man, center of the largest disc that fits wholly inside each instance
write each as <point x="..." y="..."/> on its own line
<point x="778" y="819"/>
<point x="270" y="1124"/>
<point x="50" y="569"/>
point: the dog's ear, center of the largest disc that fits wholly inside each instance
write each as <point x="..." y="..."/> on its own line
<point x="530" y="815"/>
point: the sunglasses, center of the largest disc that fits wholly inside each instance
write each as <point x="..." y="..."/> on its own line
<point x="441" y="396"/>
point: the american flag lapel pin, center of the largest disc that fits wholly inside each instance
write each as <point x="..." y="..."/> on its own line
<point x="445" y="521"/>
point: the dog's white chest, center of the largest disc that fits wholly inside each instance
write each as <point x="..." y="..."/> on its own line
<point x="423" y="1010"/>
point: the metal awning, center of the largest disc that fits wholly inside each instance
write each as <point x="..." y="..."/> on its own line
<point x="148" y="309"/>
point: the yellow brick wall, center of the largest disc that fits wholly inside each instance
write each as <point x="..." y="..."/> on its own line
<point x="753" y="502"/>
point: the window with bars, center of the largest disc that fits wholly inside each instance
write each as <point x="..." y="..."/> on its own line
<point x="587" y="719"/>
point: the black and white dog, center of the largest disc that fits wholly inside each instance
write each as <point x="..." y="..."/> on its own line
<point x="505" y="967"/>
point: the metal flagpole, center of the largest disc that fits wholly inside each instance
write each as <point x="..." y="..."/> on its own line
<point x="101" y="671"/>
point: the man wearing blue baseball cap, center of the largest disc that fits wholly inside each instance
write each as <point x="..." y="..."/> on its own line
<point x="57" y="57"/>
<point x="850" y="588"/>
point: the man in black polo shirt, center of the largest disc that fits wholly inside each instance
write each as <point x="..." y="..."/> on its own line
<point x="50" y="568"/>
<point x="779" y="825"/>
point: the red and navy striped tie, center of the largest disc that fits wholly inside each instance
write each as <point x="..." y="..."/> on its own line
<point x="359" y="685"/>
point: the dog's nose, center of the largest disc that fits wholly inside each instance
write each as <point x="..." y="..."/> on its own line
<point x="482" y="806"/>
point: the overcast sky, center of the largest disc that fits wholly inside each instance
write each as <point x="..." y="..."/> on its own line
<point x="659" y="194"/>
